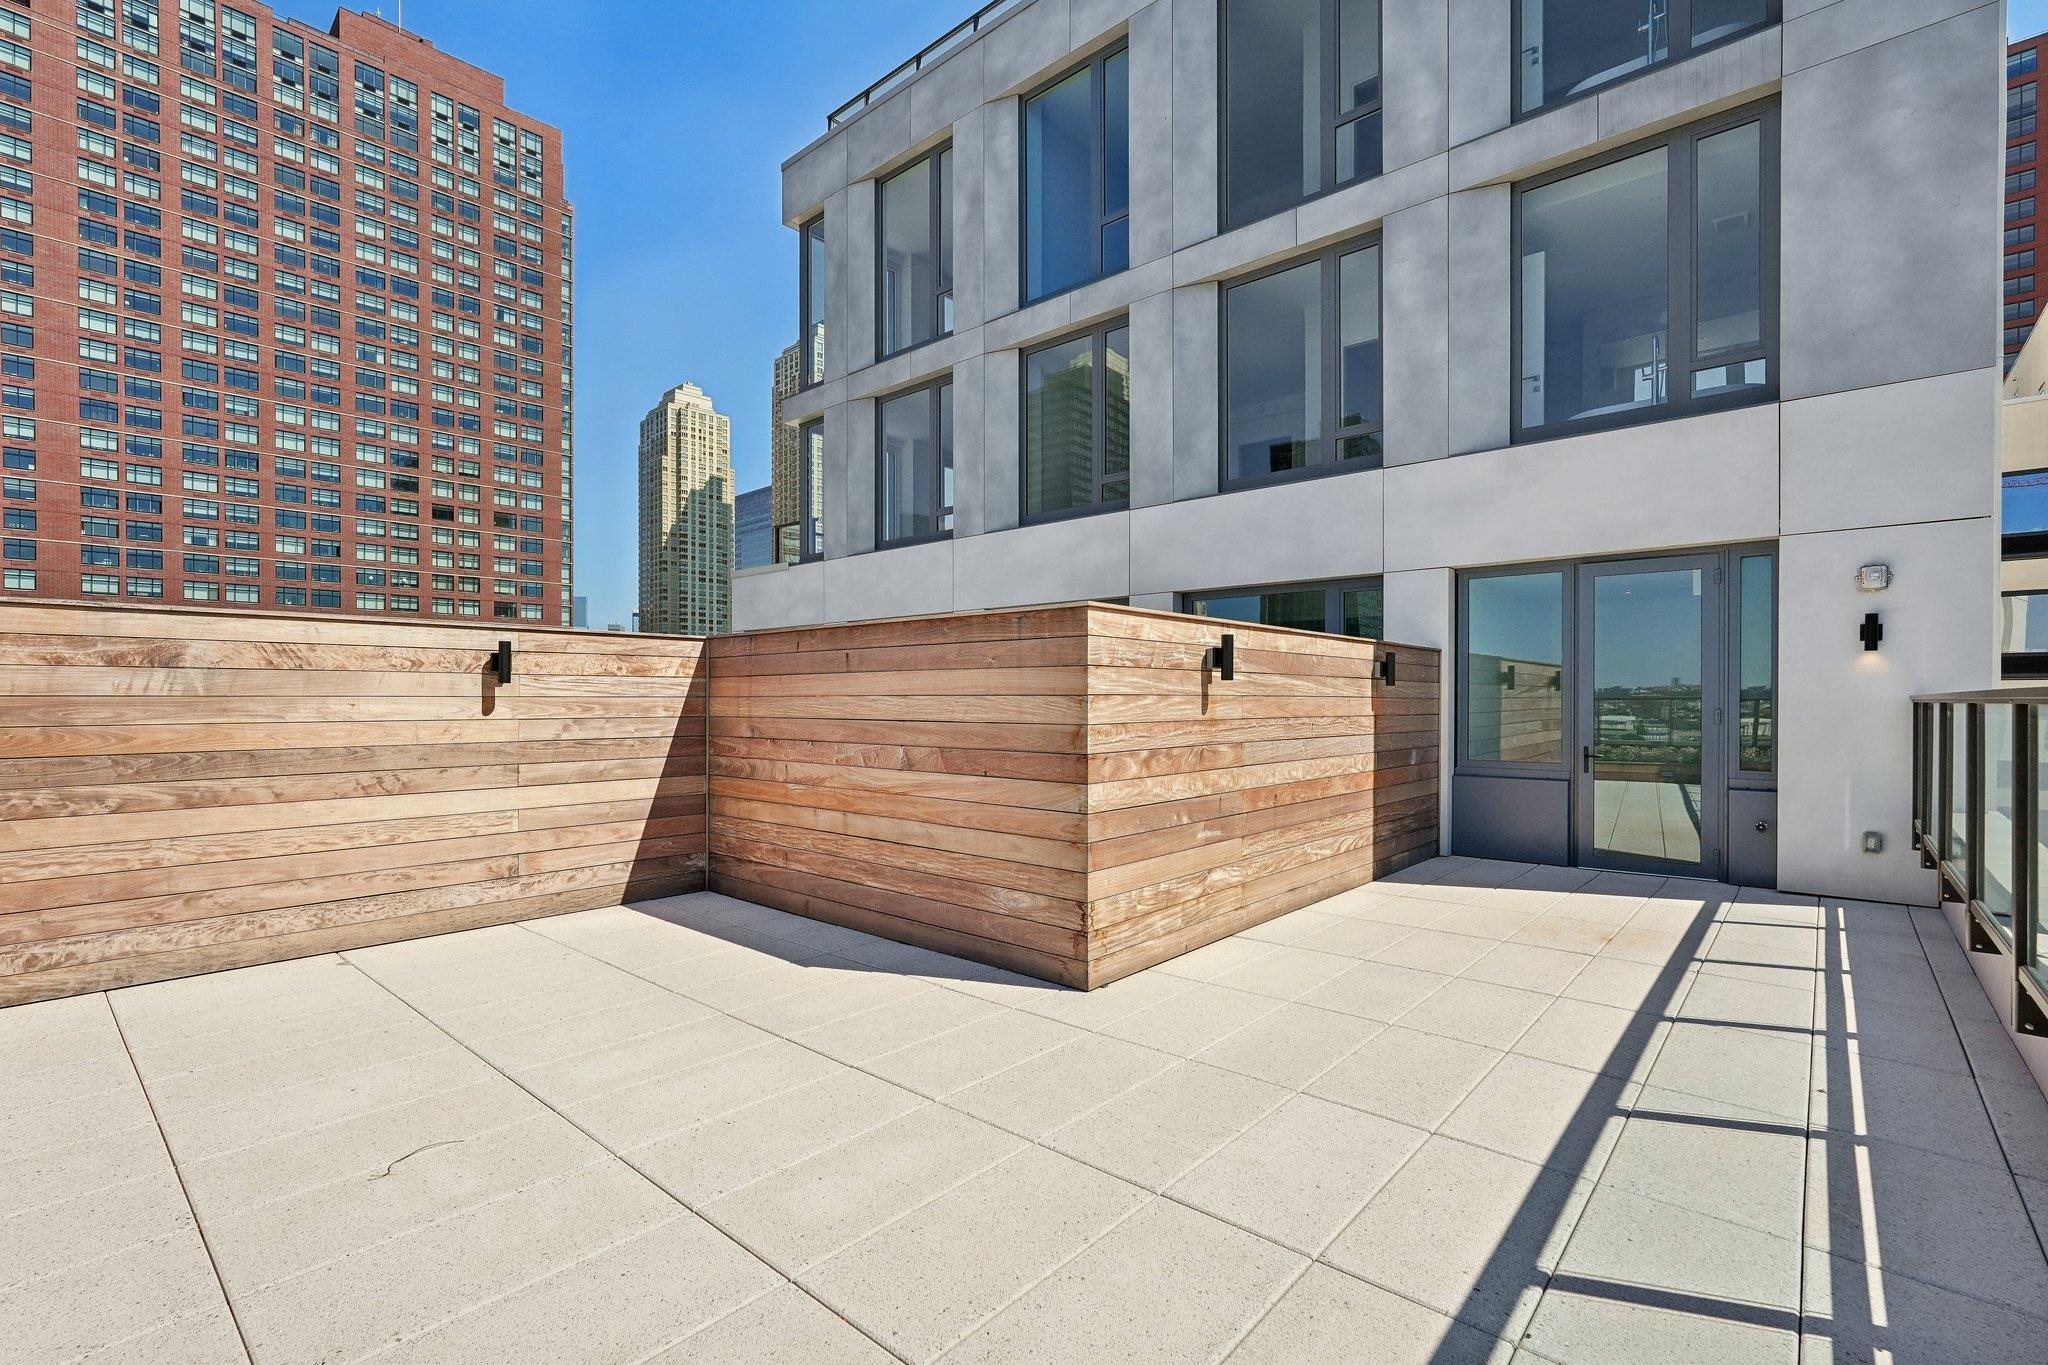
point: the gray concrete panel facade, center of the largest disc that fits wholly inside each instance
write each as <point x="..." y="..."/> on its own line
<point x="1880" y="446"/>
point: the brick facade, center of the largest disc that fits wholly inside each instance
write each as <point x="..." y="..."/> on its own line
<point x="289" y="318"/>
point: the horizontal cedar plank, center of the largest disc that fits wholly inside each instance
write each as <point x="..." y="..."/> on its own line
<point x="1066" y="854"/>
<point x="167" y="851"/>
<point x="1114" y="852"/>
<point x="683" y="764"/>
<point x="88" y="740"/>
<point x="993" y="791"/>
<point x="128" y="872"/>
<point x="1034" y="710"/>
<point x="1027" y="623"/>
<point x="65" y="832"/>
<point x="1140" y="682"/>
<point x="687" y="806"/>
<point x="1116" y="824"/>
<point x="1023" y="933"/>
<point x="103" y="681"/>
<point x="1069" y="826"/>
<point x="91" y="770"/>
<point x="1339" y="833"/>
<point x="1148" y="898"/>
<point x="1168" y="734"/>
<point x="1147" y="791"/>
<point x="131" y="798"/>
<point x="925" y="681"/>
<point x="1062" y="883"/>
<point x="637" y="728"/>
<point x="1253" y="663"/>
<point x="1065" y="651"/>
<point x="929" y="758"/>
<point x="969" y="893"/>
<point x="1220" y="705"/>
<point x="21" y="932"/>
<point x="1040" y="739"/>
<point x="129" y="712"/>
<point x="326" y="655"/>
<point x="937" y="939"/>
<point x="588" y="852"/>
<point x="1122" y="767"/>
<point x="276" y="936"/>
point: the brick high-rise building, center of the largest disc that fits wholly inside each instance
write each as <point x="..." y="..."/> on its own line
<point x="287" y="318"/>
<point x="686" y="516"/>
<point x="2026" y="285"/>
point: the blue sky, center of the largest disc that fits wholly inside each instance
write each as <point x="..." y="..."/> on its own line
<point x="676" y="116"/>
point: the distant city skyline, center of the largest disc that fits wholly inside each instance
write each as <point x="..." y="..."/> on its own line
<point x="683" y="267"/>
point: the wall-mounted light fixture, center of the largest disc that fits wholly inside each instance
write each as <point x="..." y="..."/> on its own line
<point x="1223" y="658"/>
<point x="1870" y="632"/>
<point x="1872" y="578"/>
<point x="1383" y="669"/>
<point x="502" y="662"/>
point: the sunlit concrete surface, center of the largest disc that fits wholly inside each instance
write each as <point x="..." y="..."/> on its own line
<point x="1484" y="1111"/>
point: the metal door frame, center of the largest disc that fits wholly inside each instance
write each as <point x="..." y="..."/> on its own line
<point x="1714" y="679"/>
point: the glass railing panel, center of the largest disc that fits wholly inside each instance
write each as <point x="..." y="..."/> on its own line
<point x="1995" y="870"/>
<point x="2034" y="954"/>
<point x="1955" y="823"/>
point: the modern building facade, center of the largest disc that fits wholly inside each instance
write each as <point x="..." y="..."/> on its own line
<point x="288" y="318"/>
<point x="2023" y="518"/>
<point x="1593" y="355"/>
<point x="2026" y="284"/>
<point x="753" y="529"/>
<point x="686" y="516"/>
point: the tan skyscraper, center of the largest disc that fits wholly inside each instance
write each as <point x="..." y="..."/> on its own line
<point x="686" y="522"/>
<point x="782" y="447"/>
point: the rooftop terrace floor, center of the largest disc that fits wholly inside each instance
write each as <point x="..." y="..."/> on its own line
<point x="1480" y="1111"/>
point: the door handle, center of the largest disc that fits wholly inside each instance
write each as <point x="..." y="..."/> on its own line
<point x="1587" y="757"/>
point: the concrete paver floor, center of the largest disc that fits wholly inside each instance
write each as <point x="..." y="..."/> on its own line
<point x="1482" y="1111"/>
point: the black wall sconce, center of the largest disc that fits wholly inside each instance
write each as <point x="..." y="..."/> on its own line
<point x="1383" y="669"/>
<point x="502" y="662"/>
<point x="1223" y="658"/>
<point x="1870" y="632"/>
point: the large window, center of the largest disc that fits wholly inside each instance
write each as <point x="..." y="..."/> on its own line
<point x="2024" y="514"/>
<point x="1077" y="177"/>
<point x="1514" y="668"/>
<point x="1077" y="423"/>
<point x="915" y="253"/>
<point x="811" y="303"/>
<point x="1647" y="284"/>
<point x="2023" y="623"/>
<point x="1570" y="47"/>
<point x="1342" y="608"/>
<point x="1301" y="366"/>
<point x="810" y="494"/>
<point x="1301" y="101"/>
<point x="914" y="474"/>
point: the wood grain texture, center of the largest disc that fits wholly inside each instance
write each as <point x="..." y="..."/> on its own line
<point x="1069" y="791"/>
<point x="1065" y="791"/>
<point x="183" y="791"/>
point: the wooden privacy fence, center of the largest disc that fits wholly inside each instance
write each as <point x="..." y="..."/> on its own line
<point x="1067" y="791"/>
<point x="182" y="791"/>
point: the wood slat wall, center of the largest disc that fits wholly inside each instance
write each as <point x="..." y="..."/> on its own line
<point x="1063" y="791"/>
<point x="183" y="790"/>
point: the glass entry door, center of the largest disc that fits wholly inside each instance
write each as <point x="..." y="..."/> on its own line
<point x="1650" y="781"/>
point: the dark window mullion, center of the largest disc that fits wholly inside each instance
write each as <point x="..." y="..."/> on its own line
<point x="1332" y="50"/>
<point x="1098" y="188"/>
<point x="1678" y="29"/>
<point x="1682" y="266"/>
<point x="1098" y="357"/>
<point x="1332" y="344"/>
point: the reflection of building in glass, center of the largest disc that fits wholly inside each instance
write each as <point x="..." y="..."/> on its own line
<point x="784" y="505"/>
<point x="1060" y="422"/>
<point x="753" y="529"/>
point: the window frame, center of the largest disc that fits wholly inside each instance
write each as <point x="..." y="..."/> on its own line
<point x="1333" y="590"/>
<point x="810" y="494"/>
<point x="1330" y="43"/>
<point x="928" y="160"/>
<point x="1681" y="278"/>
<point x="1678" y="20"/>
<point x="2019" y="544"/>
<point x="940" y="447"/>
<point x="1098" y="337"/>
<point x="804" y="321"/>
<point x="1329" y="260"/>
<point x="1098" y="88"/>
